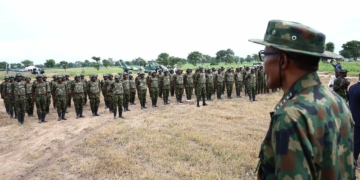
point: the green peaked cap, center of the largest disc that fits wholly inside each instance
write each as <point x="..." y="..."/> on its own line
<point x="295" y="37"/>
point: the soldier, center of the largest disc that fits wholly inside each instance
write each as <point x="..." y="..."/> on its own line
<point x="229" y="79"/>
<point x="68" y="82"/>
<point x="239" y="78"/>
<point x="209" y="84"/>
<point x="159" y="75"/>
<point x="121" y="76"/>
<point x="189" y="83"/>
<point x="2" y="92"/>
<point x="132" y="89"/>
<point x="59" y="93"/>
<point x="109" y="95"/>
<point x="172" y="89"/>
<point x="224" y="82"/>
<point x="116" y="89"/>
<point x="39" y="88"/>
<point x="48" y="98"/>
<point x="218" y="82"/>
<point x="18" y="89"/>
<point x="260" y="80"/>
<point x="8" y="96"/>
<point x="200" y="85"/>
<point x="103" y="89"/>
<point x="153" y="85"/>
<point x="214" y="72"/>
<point x="51" y="83"/>
<point x="245" y="72"/>
<point x="165" y="84"/>
<point x="251" y="84"/>
<point x="310" y="134"/>
<point x="77" y="93"/>
<point x="141" y="88"/>
<point x="29" y="99"/>
<point x="93" y="91"/>
<point x="178" y="82"/>
<point x="82" y="79"/>
<point x="126" y="93"/>
<point x="341" y="85"/>
<point x="147" y="80"/>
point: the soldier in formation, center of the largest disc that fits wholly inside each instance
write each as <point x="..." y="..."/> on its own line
<point x="83" y="80"/>
<point x="93" y="91"/>
<point x="238" y="78"/>
<point x="153" y="85"/>
<point x="165" y="84"/>
<point x="200" y="85"/>
<point x="209" y="84"/>
<point x="132" y="89"/>
<point x="172" y="89"/>
<point x="18" y="89"/>
<point x="48" y="96"/>
<point x="39" y="93"/>
<point x="77" y="92"/>
<point x="59" y="93"/>
<point x="178" y="81"/>
<point x="218" y="82"/>
<point x="29" y="98"/>
<point x="188" y="83"/>
<point x="141" y="88"/>
<point x="126" y="88"/>
<point x="229" y="81"/>
<point x="251" y="84"/>
<point x="108" y="93"/>
<point x="117" y="90"/>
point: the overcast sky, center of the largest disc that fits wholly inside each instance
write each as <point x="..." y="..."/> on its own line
<point x="75" y="30"/>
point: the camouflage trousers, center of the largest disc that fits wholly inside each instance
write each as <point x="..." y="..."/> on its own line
<point x="219" y="87"/>
<point x="142" y="94"/>
<point x="85" y="98"/>
<point x="20" y="105"/>
<point x="200" y="92"/>
<point x="94" y="99"/>
<point x="40" y="101"/>
<point x="126" y="97"/>
<point x="223" y="87"/>
<point x="210" y="88"/>
<point x="48" y="99"/>
<point x="154" y="93"/>
<point x="238" y="85"/>
<point x="179" y="91"/>
<point x="229" y="86"/>
<point x="61" y="103"/>
<point x="172" y="90"/>
<point x="132" y="94"/>
<point x="9" y="104"/>
<point x="117" y="101"/>
<point x="160" y="91"/>
<point x="29" y="102"/>
<point x="78" y="100"/>
<point x="251" y="89"/>
<point x="68" y="99"/>
<point x="189" y="90"/>
<point x="259" y="86"/>
<point x="166" y="92"/>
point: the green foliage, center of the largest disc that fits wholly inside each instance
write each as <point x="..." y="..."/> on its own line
<point x="117" y="63"/>
<point x="226" y="56"/>
<point x="50" y="63"/>
<point x="179" y="64"/>
<point x="351" y="49"/>
<point x="255" y="57"/>
<point x="174" y="61"/>
<point x="137" y="61"/>
<point x="242" y="60"/>
<point x="106" y="63"/>
<point x="71" y="65"/>
<point x="15" y="65"/>
<point x="248" y="58"/>
<point x="142" y="62"/>
<point x="329" y="47"/>
<point x="128" y="63"/>
<point x="87" y="63"/>
<point x="64" y="65"/>
<point x="27" y="63"/>
<point x="194" y="57"/>
<point x="163" y="59"/>
<point x="97" y="63"/>
<point x="3" y="66"/>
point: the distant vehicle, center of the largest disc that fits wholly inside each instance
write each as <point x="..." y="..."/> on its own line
<point x="16" y="70"/>
<point x="152" y="66"/>
<point x="31" y="69"/>
<point x="257" y="64"/>
<point x="124" y="66"/>
<point x="37" y="71"/>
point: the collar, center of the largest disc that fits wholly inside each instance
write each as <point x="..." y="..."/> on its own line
<point x="308" y="80"/>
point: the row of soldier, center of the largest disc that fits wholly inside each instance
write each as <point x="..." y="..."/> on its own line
<point x="120" y="91"/>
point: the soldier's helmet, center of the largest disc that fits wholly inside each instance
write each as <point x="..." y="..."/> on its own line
<point x="110" y="75"/>
<point x="343" y="71"/>
<point x="124" y="74"/>
<point x="27" y="77"/>
<point x="82" y="75"/>
<point x="117" y="76"/>
<point x="18" y="75"/>
<point x="213" y="68"/>
<point x="11" y="76"/>
<point x="59" y="76"/>
<point x="44" y="76"/>
<point x="142" y="73"/>
<point x="130" y="75"/>
<point x="166" y="71"/>
<point x="200" y="67"/>
<point x="67" y="75"/>
<point x="171" y="70"/>
<point x="54" y="76"/>
<point x="222" y="67"/>
<point x="178" y="70"/>
<point x="119" y="73"/>
<point x="39" y="76"/>
<point x="105" y="75"/>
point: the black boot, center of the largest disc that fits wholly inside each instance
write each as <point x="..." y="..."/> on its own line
<point x="124" y="107"/>
<point x="43" y="117"/>
<point x="204" y="104"/>
<point x="127" y="107"/>
<point x="180" y="99"/>
<point x="167" y="100"/>
<point x="164" y="100"/>
<point x="19" y="119"/>
<point x="254" y="95"/>
<point x="120" y="113"/>
<point x="133" y="101"/>
<point x="177" y="98"/>
<point x="155" y="102"/>
<point x="22" y="118"/>
<point x="144" y="102"/>
<point x="39" y="117"/>
<point x="210" y="97"/>
<point x="81" y="113"/>
<point x="96" y="108"/>
<point x="11" y="114"/>
<point x="47" y="110"/>
<point x="77" y="113"/>
<point x="63" y="115"/>
<point x="198" y="105"/>
<point x="92" y="111"/>
<point x="115" y="114"/>
<point x="29" y="113"/>
<point x="250" y="97"/>
<point x="219" y="95"/>
<point x="59" y="115"/>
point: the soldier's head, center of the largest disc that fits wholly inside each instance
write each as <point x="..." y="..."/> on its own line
<point x="11" y="78"/>
<point x="178" y="71"/>
<point x="110" y="76"/>
<point x="343" y="73"/>
<point x="142" y="75"/>
<point x="213" y="69"/>
<point x="27" y="79"/>
<point x="54" y="77"/>
<point x="93" y="77"/>
<point x="229" y="69"/>
<point x="6" y="78"/>
<point x="160" y="71"/>
<point x="131" y="77"/>
<point x="77" y="77"/>
<point x="153" y="74"/>
<point x="117" y="78"/>
<point x="188" y="70"/>
<point x="201" y="69"/>
<point x="291" y="50"/>
<point x="219" y="71"/>
<point x="39" y="77"/>
<point x="247" y="68"/>
<point x="19" y="77"/>
<point x="105" y="76"/>
<point x="59" y="78"/>
<point x="82" y="76"/>
<point x="252" y="70"/>
<point x="125" y="76"/>
<point x="166" y="72"/>
<point x="44" y="77"/>
<point x="238" y="69"/>
<point x="222" y="68"/>
<point x="171" y="71"/>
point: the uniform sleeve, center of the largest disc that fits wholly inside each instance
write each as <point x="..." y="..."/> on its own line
<point x="336" y="84"/>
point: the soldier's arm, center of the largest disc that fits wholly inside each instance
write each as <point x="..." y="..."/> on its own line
<point x="53" y="89"/>
<point x="337" y="85"/>
<point x="33" y="91"/>
<point x="72" y="89"/>
<point x="12" y="91"/>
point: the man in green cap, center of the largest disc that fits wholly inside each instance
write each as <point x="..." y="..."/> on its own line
<point x="200" y="85"/>
<point x="59" y="92"/>
<point x="311" y="129"/>
<point x="18" y="89"/>
<point x="172" y="89"/>
<point x="29" y="99"/>
<point x="251" y="84"/>
<point x="229" y="81"/>
<point x="178" y="81"/>
<point x="48" y="98"/>
<point x="218" y="82"/>
<point x="160" y="75"/>
<point x="39" y="93"/>
<point x="2" y="91"/>
<point x="126" y="94"/>
<point x="189" y="83"/>
<point x="52" y="83"/>
<point x="93" y="91"/>
<point x="153" y="85"/>
<point x="109" y="95"/>
<point x="132" y="89"/>
<point x="141" y="89"/>
<point x="9" y="101"/>
<point x="341" y="85"/>
<point x="103" y="89"/>
<point x="117" y="90"/>
<point x="82" y="79"/>
<point x="77" y="93"/>
<point x="165" y="84"/>
<point x="209" y="84"/>
<point x="238" y="81"/>
<point x="68" y="82"/>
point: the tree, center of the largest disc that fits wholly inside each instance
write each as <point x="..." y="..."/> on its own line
<point x="27" y="63"/>
<point x="229" y="56"/>
<point x="351" y="49"/>
<point x="78" y="64"/>
<point x="220" y="56"/>
<point x="194" y="57"/>
<point x="3" y="66"/>
<point x="95" y="65"/>
<point x="163" y="59"/>
<point x="50" y="63"/>
<point x="248" y="58"/>
<point x="111" y="61"/>
<point x="255" y="57"/>
<point x="329" y="47"/>
<point x="106" y="63"/>
<point x="179" y="64"/>
<point x="128" y="63"/>
<point x="242" y="60"/>
<point x="142" y="62"/>
<point x="236" y="59"/>
<point x="117" y="63"/>
<point x="71" y="64"/>
<point x="64" y="64"/>
<point x="97" y="62"/>
<point x="87" y="63"/>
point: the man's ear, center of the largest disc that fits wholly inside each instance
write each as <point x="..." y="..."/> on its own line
<point x="284" y="61"/>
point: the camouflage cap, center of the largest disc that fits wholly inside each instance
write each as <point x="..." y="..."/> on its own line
<point x="119" y="73"/>
<point x="188" y="69"/>
<point x="67" y="75"/>
<point x="76" y="75"/>
<point x="142" y="73"/>
<point x="130" y="75"/>
<point x="110" y="75"/>
<point x="11" y="76"/>
<point x="54" y="76"/>
<point x="117" y="76"/>
<point x="59" y="76"/>
<point x="82" y="75"/>
<point x="18" y="75"/>
<point x="166" y="71"/>
<point x="178" y="70"/>
<point x="343" y="71"/>
<point x="39" y="76"/>
<point x="27" y="77"/>
<point x="294" y="37"/>
<point x="44" y="76"/>
<point x="105" y="75"/>
<point x="171" y="70"/>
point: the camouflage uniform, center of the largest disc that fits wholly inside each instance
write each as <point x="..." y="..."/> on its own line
<point x="165" y="84"/>
<point x="229" y="78"/>
<point x="2" y="91"/>
<point x="141" y="88"/>
<point x="251" y="85"/>
<point x="59" y="92"/>
<point x="18" y="89"/>
<point x="126" y="93"/>
<point x="109" y="95"/>
<point x="85" y="90"/>
<point x="311" y="130"/>
<point x="93" y="88"/>
<point x="69" y="84"/>
<point x="160" y="75"/>
<point x="342" y="92"/>
<point x="218" y="82"/>
<point x="77" y="91"/>
<point x="200" y="87"/>
<point x="132" y="89"/>
<point x="189" y="84"/>
<point x="48" y="97"/>
<point x="172" y="88"/>
<point x="9" y="104"/>
<point x="103" y="89"/>
<point x="209" y="84"/>
<point x="239" y="78"/>
<point x="178" y="81"/>
<point x="40" y="90"/>
<point x="154" y="89"/>
<point x="29" y="98"/>
<point x="117" y="90"/>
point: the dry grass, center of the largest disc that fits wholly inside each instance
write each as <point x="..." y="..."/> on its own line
<point x="178" y="141"/>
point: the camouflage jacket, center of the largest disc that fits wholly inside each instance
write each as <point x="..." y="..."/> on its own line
<point x="18" y="89"/>
<point x="39" y="88"/>
<point x="93" y="88"/>
<point x="250" y="79"/>
<point x="188" y="80"/>
<point x="59" y="91"/>
<point x="165" y="82"/>
<point x="342" y="92"/>
<point x="310" y="135"/>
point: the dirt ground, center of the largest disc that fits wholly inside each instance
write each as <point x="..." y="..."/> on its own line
<point x="176" y="141"/>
